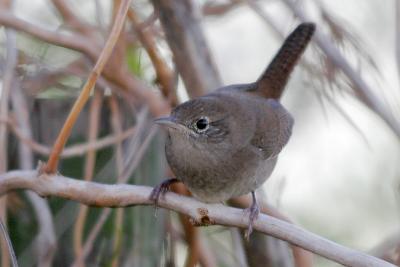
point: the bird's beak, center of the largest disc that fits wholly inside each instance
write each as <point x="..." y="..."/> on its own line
<point x="168" y="121"/>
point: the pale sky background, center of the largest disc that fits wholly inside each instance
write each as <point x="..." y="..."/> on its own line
<point x="328" y="179"/>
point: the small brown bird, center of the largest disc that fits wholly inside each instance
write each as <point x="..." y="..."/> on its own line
<point x="225" y="144"/>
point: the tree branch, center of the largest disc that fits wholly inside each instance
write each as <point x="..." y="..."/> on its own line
<point x="188" y="45"/>
<point x="71" y="19"/>
<point x="76" y="41"/>
<point x="301" y="257"/>
<point x="8" y="80"/>
<point x="45" y="241"/>
<point x="123" y="195"/>
<point x="165" y="75"/>
<point x="90" y="163"/>
<point x="116" y="74"/>
<point x="116" y="123"/>
<point x="73" y="150"/>
<point x="62" y="138"/>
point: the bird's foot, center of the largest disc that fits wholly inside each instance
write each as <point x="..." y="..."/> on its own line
<point x="253" y="211"/>
<point x="160" y="190"/>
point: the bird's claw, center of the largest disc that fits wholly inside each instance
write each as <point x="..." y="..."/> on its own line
<point x="253" y="211"/>
<point x="160" y="190"/>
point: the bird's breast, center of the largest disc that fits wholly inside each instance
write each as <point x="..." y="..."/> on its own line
<point x="216" y="176"/>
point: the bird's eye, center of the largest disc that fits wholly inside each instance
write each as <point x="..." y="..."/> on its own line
<point x="202" y="124"/>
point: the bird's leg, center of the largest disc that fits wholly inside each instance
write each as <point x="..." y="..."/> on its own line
<point x="253" y="211"/>
<point x="161" y="189"/>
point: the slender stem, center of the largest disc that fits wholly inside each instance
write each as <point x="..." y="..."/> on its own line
<point x="90" y="163"/>
<point x="8" y="81"/>
<point x="165" y="76"/>
<point x="91" y="238"/>
<point x="62" y="138"/>
<point x="76" y="42"/>
<point x="119" y="217"/>
<point x="73" y="150"/>
<point x="45" y="239"/>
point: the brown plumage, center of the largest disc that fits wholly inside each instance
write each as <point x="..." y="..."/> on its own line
<point x="225" y="144"/>
<point x="273" y="81"/>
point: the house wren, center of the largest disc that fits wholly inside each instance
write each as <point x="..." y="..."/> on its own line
<point x="225" y="144"/>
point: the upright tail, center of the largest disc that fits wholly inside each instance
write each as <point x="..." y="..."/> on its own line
<point x="273" y="81"/>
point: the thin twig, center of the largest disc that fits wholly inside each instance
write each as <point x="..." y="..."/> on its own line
<point x="131" y="166"/>
<point x="4" y="105"/>
<point x="119" y="217"/>
<point x="211" y="8"/>
<point x="62" y="138"/>
<point x="134" y="147"/>
<point x="192" y="235"/>
<point x="73" y="150"/>
<point x="118" y="75"/>
<point x="45" y="241"/>
<point x="91" y="238"/>
<point x="165" y="76"/>
<point x="71" y="19"/>
<point x="188" y="45"/>
<point x="90" y="163"/>
<point x="123" y="195"/>
<point x="76" y="42"/>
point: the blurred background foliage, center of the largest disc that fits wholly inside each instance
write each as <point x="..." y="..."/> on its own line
<point x="338" y="177"/>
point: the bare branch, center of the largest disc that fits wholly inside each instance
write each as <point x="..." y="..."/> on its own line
<point x="188" y="44"/>
<point x="123" y="195"/>
<point x="117" y="74"/>
<point x="73" y="150"/>
<point x="116" y="122"/>
<point x="90" y="162"/>
<point x="71" y="19"/>
<point x="52" y="163"/>
<point x="76" y="41"/>
<point x="301" y="257"/>
<point x="8" y="81"/>
<point x="210" y="8"/>
<point x="91" y="238"/>
<point x="165" y="75"/>
<point x="45" y="241"/>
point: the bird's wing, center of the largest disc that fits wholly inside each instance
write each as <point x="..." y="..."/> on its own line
<point x="273" y="131"/>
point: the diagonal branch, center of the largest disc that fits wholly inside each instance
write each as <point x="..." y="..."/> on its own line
<point x="71" y="19"/>
<point x="165" y="75"/>
<point x="62" y="138"/>
<point x="76" y="41"/>
<point x="189" y="46"/>
<point x="123" y="195"/>
<point x="116" y="74"/>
